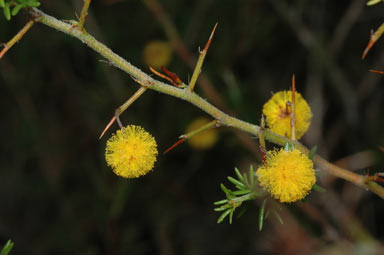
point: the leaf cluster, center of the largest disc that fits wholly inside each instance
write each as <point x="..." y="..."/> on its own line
<point x="246" y="189"/>
<point x="12" y="7"/>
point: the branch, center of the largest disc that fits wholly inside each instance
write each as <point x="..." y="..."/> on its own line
<point x="190" y="96"/>
<point x="84" y="14"/>
<point x="17" y="37"/>
<point x="189" y="59"/>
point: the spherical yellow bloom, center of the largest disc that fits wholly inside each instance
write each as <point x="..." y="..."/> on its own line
<point x="287" y="176"/>
<point x="277" y="114"/>
<point x="131" y="152"/>
<point x="205" y="139"/>
<point x="157" y="54"/>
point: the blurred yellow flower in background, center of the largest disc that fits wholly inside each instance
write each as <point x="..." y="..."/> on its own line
<point x="131" y="152"/>
<point x="287" y="175"/>
<point x="205" y="139"/>
<point x="277" y="114"/>
<point x="157" y="54"/>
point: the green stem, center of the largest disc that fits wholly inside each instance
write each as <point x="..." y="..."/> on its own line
<point x="84" y="14"/>
<point x="197" y="70"/>
<point x="201" y="129"/>
<point x="131" y="100"/>
<point x="17" y="37"/>
<point x="200" y="62"/>
<point x="187" y="95"/>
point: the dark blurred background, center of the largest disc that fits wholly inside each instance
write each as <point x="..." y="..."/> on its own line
<point x="58" y="196"/>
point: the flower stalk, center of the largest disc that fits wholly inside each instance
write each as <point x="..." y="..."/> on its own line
<point x="122" y="108"/>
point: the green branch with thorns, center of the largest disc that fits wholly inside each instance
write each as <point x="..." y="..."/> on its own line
<point x="244" y="184"/>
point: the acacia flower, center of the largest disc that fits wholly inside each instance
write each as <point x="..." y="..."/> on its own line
<point x="131" y="152"/>
<point x="287" y="175"/>
<point x="277" y="114"/>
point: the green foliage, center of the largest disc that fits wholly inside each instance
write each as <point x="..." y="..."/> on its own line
<point x="8" y="246"/>
<point x="312" y="152"/>
<point x="246" y="189"/>
<point x="12" y="7"/>
<point x="289" y="147"/>
<point x="318" y="188"/>
<point x="262" y="215"/>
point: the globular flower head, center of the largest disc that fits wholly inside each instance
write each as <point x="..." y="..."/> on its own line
<point x="287" y="175"/>
<point x="277" y="114"/>
<point x="131" y="152"/>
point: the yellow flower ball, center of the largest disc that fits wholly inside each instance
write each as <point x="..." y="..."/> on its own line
<point x="157" y="54"/>
<point x="277" y="114"/>
<point x="287" y="176"/>
<point x="131" y="152"/>
<point x="205" y="139"/>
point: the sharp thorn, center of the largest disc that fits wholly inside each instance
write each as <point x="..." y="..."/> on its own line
<point x="210" y="38"/>
<point x="107" y="127"/>
<point x="377" y="71"/>
<point x="174" y="145"/>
